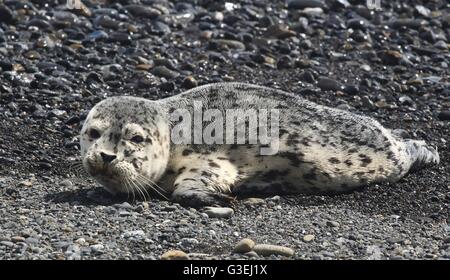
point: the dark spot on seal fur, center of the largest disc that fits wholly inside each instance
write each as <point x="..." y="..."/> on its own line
<point x="292" y="157"/>
<point x="365" y="160"/>
<point x="348" y="162"/>
<point x="334" y="160"/>
<point x="213" y="164"/>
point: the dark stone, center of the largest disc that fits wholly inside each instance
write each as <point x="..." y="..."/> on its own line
<point x="329" y="84"/>
<point x="6" y="15"/>
<point x="301" y="4"/>
<point x="444" y="115"/>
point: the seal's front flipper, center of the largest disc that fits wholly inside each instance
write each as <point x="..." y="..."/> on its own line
<point x="208" y="181"/>
<point x="196" y="194"/>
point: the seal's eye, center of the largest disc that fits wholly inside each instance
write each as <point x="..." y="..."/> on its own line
<point x="137" y="139"/>
<point x="94" y="133"/>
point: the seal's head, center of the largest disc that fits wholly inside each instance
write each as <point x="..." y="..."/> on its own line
<point x="125" y="144"/>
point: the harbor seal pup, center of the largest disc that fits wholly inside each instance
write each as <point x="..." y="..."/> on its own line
<point x="126" y="146"/>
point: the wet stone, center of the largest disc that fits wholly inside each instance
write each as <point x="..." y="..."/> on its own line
<point x="219" y="212"/>
<point x="174" y="255"/>
<point x="6" y="15"/>
<point x="244" y="246"/>
<point x="189" y="82"/>
<point x="267" y="250"/>
<point x="142" y="11"/>
<point x="444" y="115"/>
<point x="163" y="71"/>
<point x="329" y="84"/>
<point x="302" y="4"/>
<point x="120" y="37"/>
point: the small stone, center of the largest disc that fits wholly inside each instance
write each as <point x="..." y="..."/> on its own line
<point x="144" y="67"/>
<point x="66" y="183"/>
<point x="124" y="213"/>
<point x="251" y="254"/>
<point x="189" y="82"/>
<point x="143" y="11"/>
<point x="159" y="28"/>
<point x="303" y="63"/>
<point x="26" y="183"/>
<point x="374" y="252"/>
<point x="16" y="239"/>
<point x="351" y="89"/>
<point x="32" y="55"/>
<point x="169" y="208"/>
<point x="244" y="246"/>
<point x="313" y="11"/>
<point x="308" y="238"/>
<point x="280" y="31"/>
<point x="329" y="84"/>
<point x="31" y="241"/>
<point x="7" y="243"/>
<point x="333" y="224"/>
<point x="254" y="201"/>
<point x="444" y="115"/>
<point x="174" y="255"/>
<point x="267" y="250"/>
<point x="275" y="198"/>
<point x="134" y="233"/>
<point x="18" y="67"/>
<point x="422" y="10"/>
<point x="189" y="242"/>
<point x="80" y="241"/>
<point x="125" y="205"/>
<point x="39" y="23"/>
<point x="366" y="67"/>
<point x="6" y="15"/>
<point x="391" y="57"/>
<point x="406" y="100"/>
<point x="232" y="44"/>
<point x="381" y="104"/>
<point x="82" y="9"/>
<point x="219" y="212"/>
<point x="120" y="37"/>
<point x="357" y="23"/>
<point x="367" y="102"/>
<point x="407" y="22"/>
<point x="285" y="62"/>
<point x="302" y="4"/>
<point x="97" y="248"/>
<point x="97" y="35"/>
<point x="441" y="45"/>
<point x="163" y="71"/>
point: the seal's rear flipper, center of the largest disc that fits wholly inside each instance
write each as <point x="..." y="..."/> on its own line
<point x="421" y="154"/>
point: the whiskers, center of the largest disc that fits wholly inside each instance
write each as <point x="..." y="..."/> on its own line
<point x="76" y="168"/>
<point x="139" y="186"/>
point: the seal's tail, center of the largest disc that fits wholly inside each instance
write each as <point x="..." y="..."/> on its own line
<point x="421" y="154"/>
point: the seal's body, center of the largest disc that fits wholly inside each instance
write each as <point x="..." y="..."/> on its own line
<point x="126" y="145"/>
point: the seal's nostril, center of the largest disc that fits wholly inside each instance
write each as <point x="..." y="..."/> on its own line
<point x="107" y="158"/>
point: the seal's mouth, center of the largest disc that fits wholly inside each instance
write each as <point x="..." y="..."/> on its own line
<point x="111" y="184"/>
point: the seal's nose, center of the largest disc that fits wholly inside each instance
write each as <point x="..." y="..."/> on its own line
<point x="107" y="158"/>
